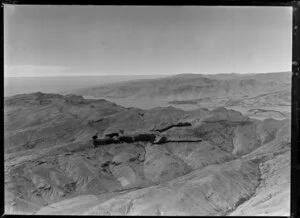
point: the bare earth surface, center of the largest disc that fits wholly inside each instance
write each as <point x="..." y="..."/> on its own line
<point x="231" y="157"/>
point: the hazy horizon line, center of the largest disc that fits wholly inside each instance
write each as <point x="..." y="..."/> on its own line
<point x="166" y="74"/>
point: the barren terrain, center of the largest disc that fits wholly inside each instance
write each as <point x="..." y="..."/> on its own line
<point x="229" y="154"/>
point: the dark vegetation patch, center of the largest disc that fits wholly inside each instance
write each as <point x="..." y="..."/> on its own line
<point x="144" y="138"/>
<point x="105" y="141"/>
<point x="106" y="164"/>
<point x="126" y="139"/>
<point x="174" y="125"/>
<point x="111" y="135"/>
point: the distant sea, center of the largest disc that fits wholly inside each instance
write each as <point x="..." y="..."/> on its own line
<point x="22" y="85"/>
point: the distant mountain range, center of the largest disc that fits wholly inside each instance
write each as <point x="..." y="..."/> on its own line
<point x="194" y="86"/>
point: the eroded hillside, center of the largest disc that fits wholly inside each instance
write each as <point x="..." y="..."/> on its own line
<point x="221" y="163"/>
<point x="255" y="95"/>
<point x="183" y="86"/>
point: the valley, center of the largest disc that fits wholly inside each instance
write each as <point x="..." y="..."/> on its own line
<point x="215" y="161"/>
<point x="120" y="110"/>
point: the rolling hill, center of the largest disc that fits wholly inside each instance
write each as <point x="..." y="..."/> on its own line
<point x="192" y="86"/>
<point x="222" y="163"/>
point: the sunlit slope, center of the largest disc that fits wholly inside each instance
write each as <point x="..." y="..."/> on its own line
<point x="211" y="167"/>
<point x="194" y="86"/>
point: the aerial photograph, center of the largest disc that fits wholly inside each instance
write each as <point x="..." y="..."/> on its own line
<point x="147" y="110"/>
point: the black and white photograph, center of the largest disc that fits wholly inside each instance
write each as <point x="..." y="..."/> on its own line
<point x="147" y="110"/>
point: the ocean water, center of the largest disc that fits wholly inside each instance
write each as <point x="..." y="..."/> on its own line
<point x="23" y="85"/>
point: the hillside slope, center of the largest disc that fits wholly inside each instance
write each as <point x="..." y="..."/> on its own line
<point x="194" y="86"/>
<point x="213" y="166"/>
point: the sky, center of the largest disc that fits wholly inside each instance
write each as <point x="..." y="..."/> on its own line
<point x="142" y="40"/>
